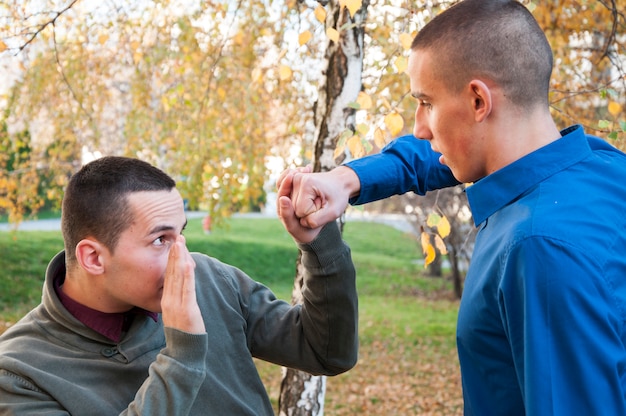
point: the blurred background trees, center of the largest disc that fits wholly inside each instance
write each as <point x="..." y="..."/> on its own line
<point x="219" y="93"/>
<point x="224" y="94"/>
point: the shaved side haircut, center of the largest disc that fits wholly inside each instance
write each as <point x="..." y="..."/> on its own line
<point x="499" y="40"/>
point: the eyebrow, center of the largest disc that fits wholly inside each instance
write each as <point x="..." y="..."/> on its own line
<point x="162" y="228"/>
<point x="419" y="95"/>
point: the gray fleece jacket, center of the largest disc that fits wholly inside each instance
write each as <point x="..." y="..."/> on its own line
<point x="52" y="364"/>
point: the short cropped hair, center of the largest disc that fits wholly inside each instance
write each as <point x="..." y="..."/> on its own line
<point x="495" y="39"/>
<point x="95" y="203"/>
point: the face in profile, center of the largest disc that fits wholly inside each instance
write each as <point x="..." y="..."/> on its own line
<point x="445" y="118"/>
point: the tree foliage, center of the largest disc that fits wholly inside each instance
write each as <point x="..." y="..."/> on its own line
<point x="194" y="87"/>
<point x="207" y="90"/>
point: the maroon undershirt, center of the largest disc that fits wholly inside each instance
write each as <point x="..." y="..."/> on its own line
<point x="111" y="325"/>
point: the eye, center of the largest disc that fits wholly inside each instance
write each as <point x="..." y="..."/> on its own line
<point x="425" y="104"/>
<point x="160" y="241"/>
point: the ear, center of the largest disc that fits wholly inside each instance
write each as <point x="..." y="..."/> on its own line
<point x="89" y="254"/>
<point x="482" y="100"/>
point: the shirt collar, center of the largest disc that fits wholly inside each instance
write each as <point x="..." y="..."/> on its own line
<point x="111" y="325"/>
<point x="493" y="192"/>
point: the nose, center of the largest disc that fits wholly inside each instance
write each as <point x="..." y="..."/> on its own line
<point x="420" y="128"/>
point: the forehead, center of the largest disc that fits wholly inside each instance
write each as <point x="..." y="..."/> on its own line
<point x="422" y="78"/>
<point x="157" y="209"/>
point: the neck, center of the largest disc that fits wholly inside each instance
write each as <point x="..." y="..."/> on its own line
<point x="80" y="287"/>
<point x="518" y="134"/>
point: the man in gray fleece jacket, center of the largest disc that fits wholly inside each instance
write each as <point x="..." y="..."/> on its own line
<point x="131" y="322"/>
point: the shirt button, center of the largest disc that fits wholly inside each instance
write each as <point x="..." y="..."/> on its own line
<point x="108" y="352"/>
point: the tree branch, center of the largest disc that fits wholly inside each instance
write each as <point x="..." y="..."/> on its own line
<point x="46" y="24"/>
<point x="65" y="80"/>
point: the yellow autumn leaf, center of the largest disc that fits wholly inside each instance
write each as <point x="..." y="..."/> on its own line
<point x="362" y="129"/>
<point x="441" y="222"/>
<point x="433" y="219"/>
<point x="304" y="37"/>
<point x="257" y="75"/>
<point x="284" y="73"/>
<point x="353" y="6"/>
<point x="614" y="108"/>
<point x="379" y="137"/>
<point x="429" y="253"/>
<point x="355" y="146"/>
<point x="364" y="101"/>
<point x="401" y="64"/>
<point x="441" y="246"/>
<point x="240" y="38"/>
<point x="339" y="150"/>
<point x="424" y="240"/>
<point x="406" y="40"/>
<point x="394" y="123"/>
<point x="320" y="13"/>
<point x="332" y="34"/>
<point x="166" y="104"/>
<point x="443" y="228"/>
<point x="428" y="249"/>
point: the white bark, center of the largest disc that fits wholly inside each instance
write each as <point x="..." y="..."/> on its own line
<point x="303" y="394"/>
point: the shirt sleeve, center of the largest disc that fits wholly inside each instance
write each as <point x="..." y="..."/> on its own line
<point x="563" y="325"/>
<point x="405" y="164"/>
<point x="320" y="336"/>
<point x="175" y="376"/>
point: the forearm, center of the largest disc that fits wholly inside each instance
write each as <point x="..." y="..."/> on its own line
<point x="319" y="336"/>
<point x="330" y="306"/>
<point x="406" y="164"/>
<point x="174" y="378"/>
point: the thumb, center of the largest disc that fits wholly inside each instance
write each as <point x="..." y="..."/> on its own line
<point x="288" y="216"/>
<point x="285" y="208"/>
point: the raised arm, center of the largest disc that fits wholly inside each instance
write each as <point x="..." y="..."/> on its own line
<point x="406" y="164"/>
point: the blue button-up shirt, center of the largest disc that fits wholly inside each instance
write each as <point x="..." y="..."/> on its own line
<point x="541" y="327"/>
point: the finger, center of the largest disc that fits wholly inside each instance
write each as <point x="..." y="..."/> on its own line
<point x="286" y="185"/>
<point x="282" y="177"/>
<point x="287" y="216"/>
<point x="176" y="271"/>
<point x="303" y="169"/>
<point x="171" y="269"/>
<point x="313" y="220"/>
<point x="292" y="224"/>
<point x="285" y="212"/>
<point x="179" y="305"/>
<point x="305" y="196"/>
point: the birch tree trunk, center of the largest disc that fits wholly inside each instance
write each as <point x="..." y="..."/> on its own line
<point x="303" y="394"/>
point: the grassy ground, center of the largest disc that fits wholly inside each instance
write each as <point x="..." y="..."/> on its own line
<point x="407" y="359"/>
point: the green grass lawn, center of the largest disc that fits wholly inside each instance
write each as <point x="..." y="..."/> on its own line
<point x="407" y="320"/>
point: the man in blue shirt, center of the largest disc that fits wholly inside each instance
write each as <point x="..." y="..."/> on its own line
<point x="541" y="326"/>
